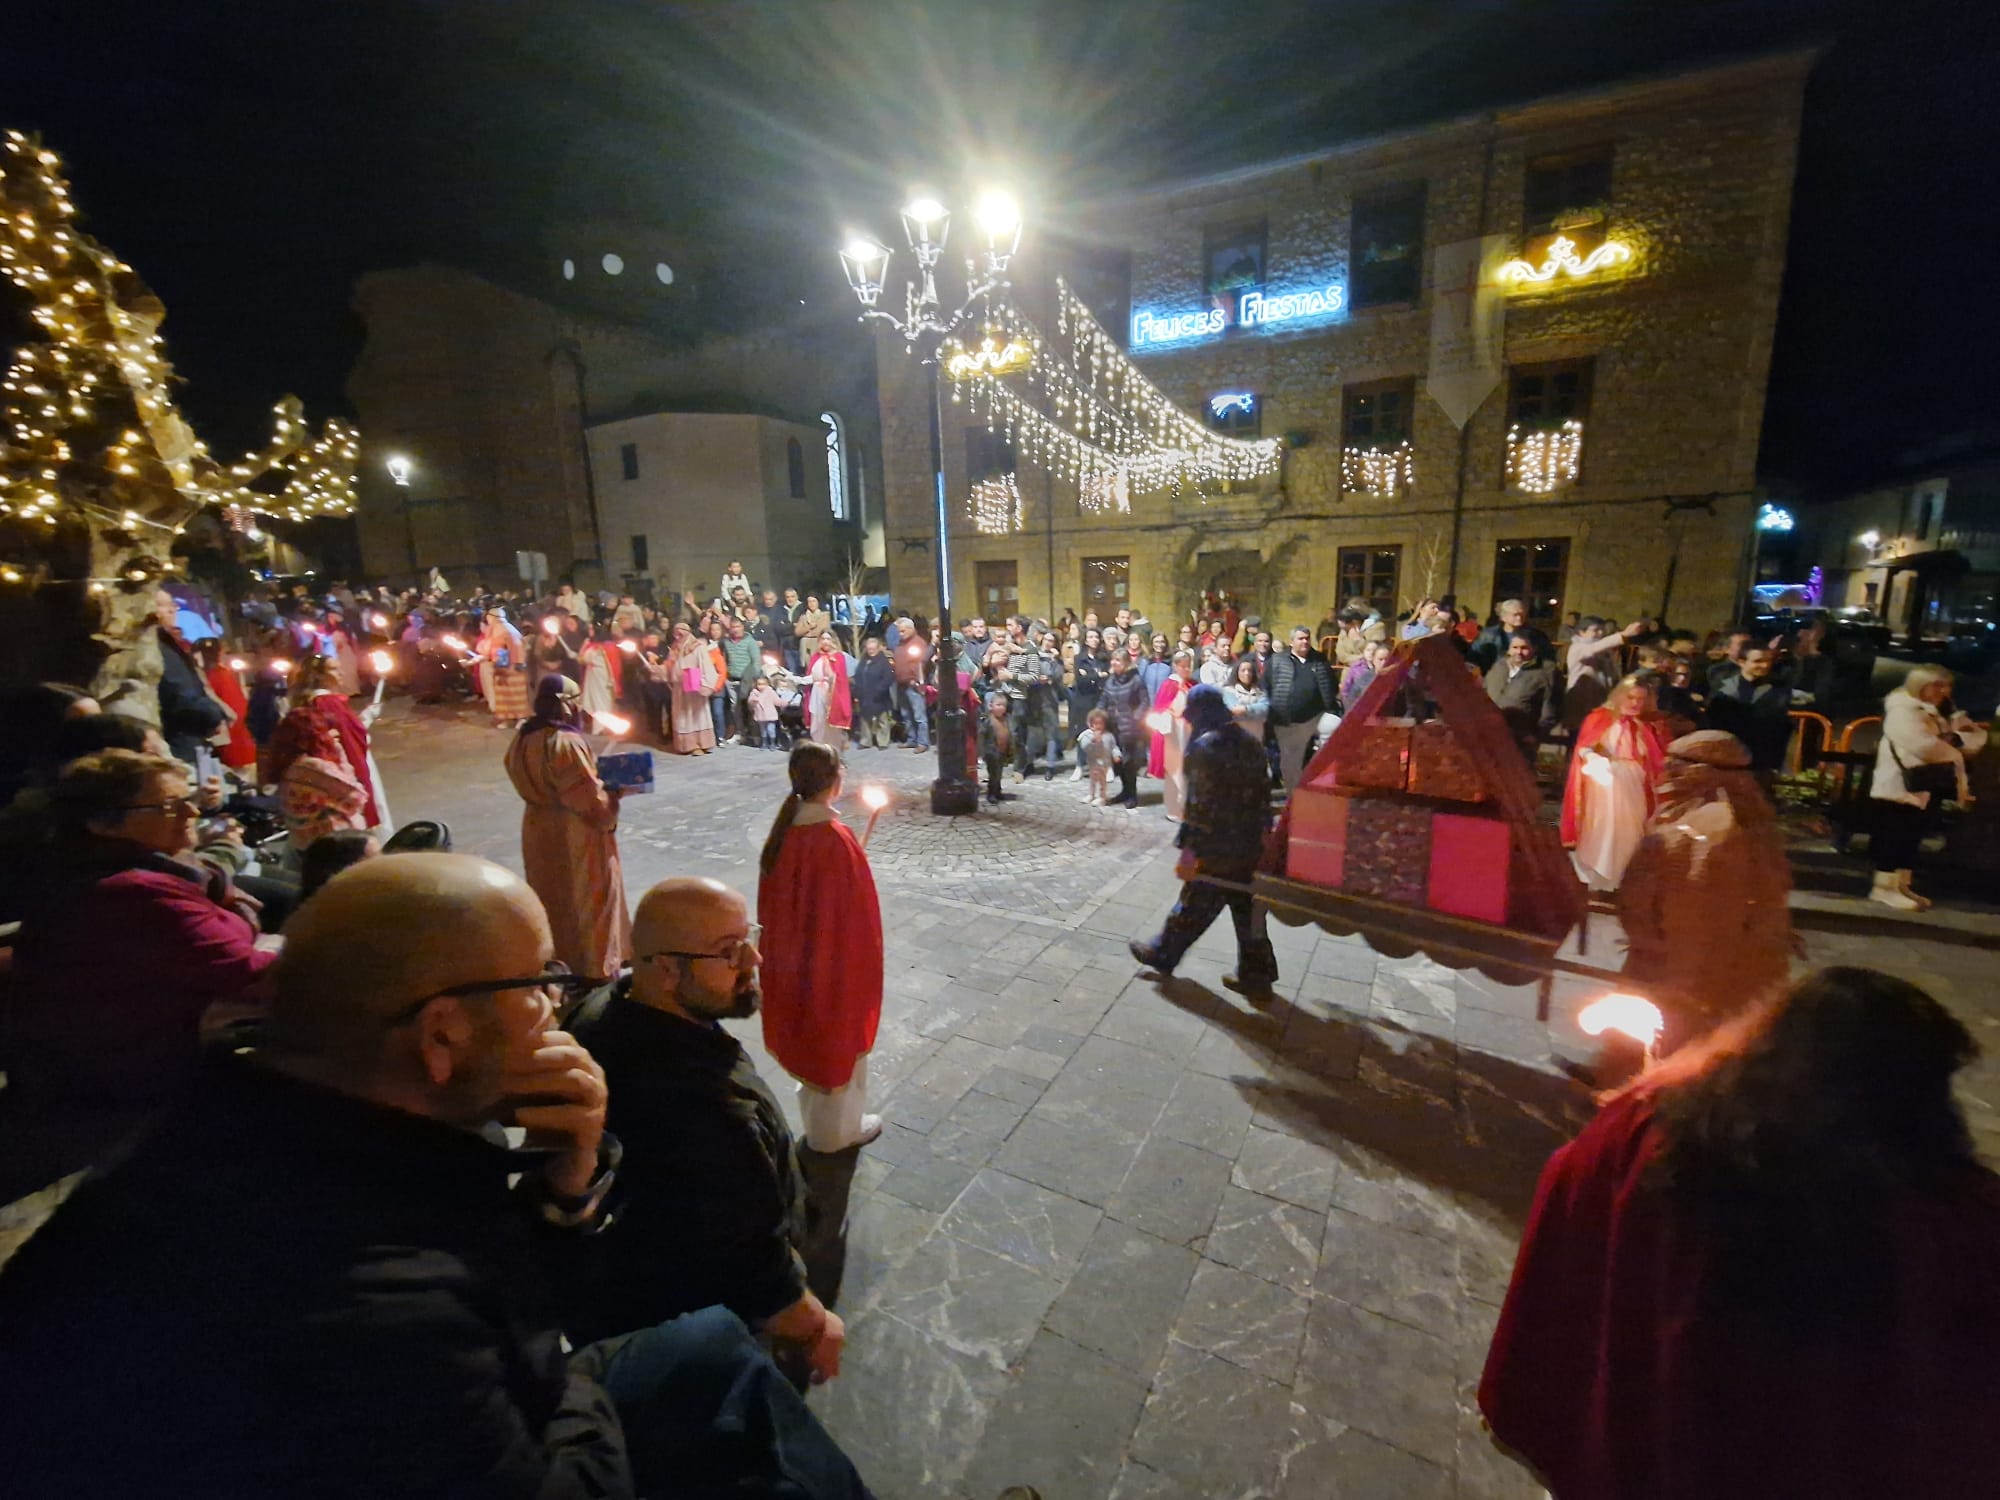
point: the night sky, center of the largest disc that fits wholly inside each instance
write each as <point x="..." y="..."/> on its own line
<point x="251" y="159"/>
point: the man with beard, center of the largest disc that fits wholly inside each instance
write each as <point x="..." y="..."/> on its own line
<point x="717" y="1203"/>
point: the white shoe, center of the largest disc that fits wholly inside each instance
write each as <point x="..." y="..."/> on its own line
<point x="1903" y="885"/>
<point x="1888" y="891"/>
<point x="1077" y="774"/>
<point x="871" y="1130"/>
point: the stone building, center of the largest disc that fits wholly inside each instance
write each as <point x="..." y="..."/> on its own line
<point x="485" y="395"/>
<point x="1590" y="282"/>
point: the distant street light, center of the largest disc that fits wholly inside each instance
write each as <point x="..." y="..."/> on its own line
<point x="1870" y="539"/>
<point x="399" y="469"/>
<point x="925" y="326"/>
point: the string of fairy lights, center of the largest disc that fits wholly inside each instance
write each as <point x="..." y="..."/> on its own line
<point x="88" y="424"/>
<point x="1106" y="428"/>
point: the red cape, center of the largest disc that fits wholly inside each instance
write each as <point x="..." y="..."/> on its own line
<point x="822" y="950"/>
<point x="316" y="727"/>
<point x="1170" y="693"/>
<point x="839" y="702"/>
<point x="1587" y="735"/>
<point x="1611" y="1375"/>
<point x="241" y="750"/>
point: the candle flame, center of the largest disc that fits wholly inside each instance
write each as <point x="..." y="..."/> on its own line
<point x="455" y="643"/>
<point x="281" y="666"/>
<point x="874" y="798"/>
<point x="237" y="664"/>
<point x="550" y="627"/>
<point x="630" y="648"/>
<point x="382" y="662"/>
<point x="380" y="622"/>
<point x="1629" y="1015"/>
<point x="613" y="723"/>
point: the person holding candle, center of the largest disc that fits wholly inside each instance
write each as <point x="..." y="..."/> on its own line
<point x="822" y="950"/>
<point x="1610" y="793"/>
<point x="1765" y="1269"/>
<point x="505" y="669"/>
<point x="321" y="726"/>
<point x="569" y="833"/>
<point x="830" y="704"/>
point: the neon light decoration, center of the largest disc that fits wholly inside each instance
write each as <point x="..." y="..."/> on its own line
<point x="1773" y="518"/>
<point x="1563" y="259"/>
<point x="1243" y="401"/>
<point x="990" y="358"/>
<point x="1254" y="310"/>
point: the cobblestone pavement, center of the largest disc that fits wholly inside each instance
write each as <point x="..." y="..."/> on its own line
<point x="1138" y="1238"/>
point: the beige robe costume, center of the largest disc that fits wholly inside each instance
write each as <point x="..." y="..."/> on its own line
<point x="569" y="848"/>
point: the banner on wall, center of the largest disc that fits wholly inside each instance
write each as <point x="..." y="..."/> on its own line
<point x="1468" y="324"/>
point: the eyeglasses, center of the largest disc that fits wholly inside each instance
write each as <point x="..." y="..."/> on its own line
<point x="183" y="807"/>
<point x="555" y="981"/>
<point x="731" y="952"/>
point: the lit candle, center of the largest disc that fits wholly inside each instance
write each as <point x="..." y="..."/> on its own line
<point x="379" y="622"/>
<point x="550" y="627"/>
<point x="630" y="648"/>
<point x="456" y="644"/>
<point x="1629" y="1015"/>
<point x="281" y="666"/>
<point x="874" y="798"/>
<point x="237" y="664"/>
<point x="613" y="724"/>
<point x="381" y="661"/>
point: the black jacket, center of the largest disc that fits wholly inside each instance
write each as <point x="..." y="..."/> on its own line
<point x="874" y="685"/>
<point x="1124" y="702"/>
<point x="1286" y="672"/>
<point x="714" y="1205"/>
<point x="1757" y="713"/>
<point x="188" y="714"/>
<point x="284" y="1292"/>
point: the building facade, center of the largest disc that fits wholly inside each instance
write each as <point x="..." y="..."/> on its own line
<point x="1590" y="283"/>
<point x="483" y="395"/>
<point x="683" y="494"/>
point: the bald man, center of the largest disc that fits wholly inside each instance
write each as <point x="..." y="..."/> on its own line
<point x="315" y="1278"/>
<point x="717" y="1210"/>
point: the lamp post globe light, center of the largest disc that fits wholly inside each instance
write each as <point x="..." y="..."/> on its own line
<point x="925" y="326"/>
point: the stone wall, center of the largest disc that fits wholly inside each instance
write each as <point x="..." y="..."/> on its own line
<point x="1679" y="337"/>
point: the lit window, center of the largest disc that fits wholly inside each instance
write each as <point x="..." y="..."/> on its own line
<point x="836" y="465"/>
<point x="1547" y="406"/>
<point x="1376" y="455"/>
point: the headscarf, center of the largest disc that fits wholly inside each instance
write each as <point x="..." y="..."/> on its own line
<point x="1203" y="710"/>
<point x="555" y="706"/>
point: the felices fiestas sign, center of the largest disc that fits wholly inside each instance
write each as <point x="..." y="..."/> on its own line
<point x="1254" y="309"/>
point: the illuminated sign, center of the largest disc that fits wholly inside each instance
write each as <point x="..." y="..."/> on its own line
<point x="1563" y="259"/>
<point x="990" y="358"/>
<point x="1221" y="406"/>
<point x="1255" y="309"/>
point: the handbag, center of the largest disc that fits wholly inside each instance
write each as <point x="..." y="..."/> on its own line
<point x="1934" y="778"/>
<point x="691" y="679"/>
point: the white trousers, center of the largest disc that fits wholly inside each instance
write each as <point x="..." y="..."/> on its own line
<point x="1293" y="742"/>
<point x="833" y="1116"/>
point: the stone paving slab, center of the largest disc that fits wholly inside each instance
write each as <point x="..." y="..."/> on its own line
<point x="1139" y="1238"/>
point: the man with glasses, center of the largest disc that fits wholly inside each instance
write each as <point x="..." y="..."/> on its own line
<point x="328" y="1273"/>
<point x="717" y="1204"/>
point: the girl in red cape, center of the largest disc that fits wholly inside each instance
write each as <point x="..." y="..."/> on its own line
<point x="1766" y="1270"/>
<point x="1609" y="797"/>
<point x="322" y="726"/>
<point x="1163" y="759"/>
<point x="240" y="753"/>
<point x="822" y="953"/>
<point x="829" y="704"/>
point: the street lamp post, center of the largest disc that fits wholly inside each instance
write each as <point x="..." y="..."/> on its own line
<point x="925" y="326"/>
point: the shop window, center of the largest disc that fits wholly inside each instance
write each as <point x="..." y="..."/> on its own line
<point x="1547" y="407"/>
<point x="1238" y="414"/>
<point x="1569" y="194"/>
<point x="628" y="459"/>
<point x="795" y="468"/>
<point x="1386" y="247"/>
<point x="1376" y="453"/>
<point x="1233" y="257"/>
<point x="1371" y="573"/>
<point x="1537" y="573"/>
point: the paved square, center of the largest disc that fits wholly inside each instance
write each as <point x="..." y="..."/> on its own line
<point x="1137" y="1239"/>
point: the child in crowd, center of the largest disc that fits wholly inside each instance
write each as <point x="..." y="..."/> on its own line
<point x="1099" y="750"/>
<point x="996" y="741"/>
<point x="763" y="702"/>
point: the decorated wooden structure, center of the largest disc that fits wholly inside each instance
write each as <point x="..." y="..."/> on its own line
<point x="1423" y="831"/>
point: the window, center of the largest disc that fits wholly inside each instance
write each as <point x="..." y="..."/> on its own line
<point x="1106" y="586"/>
<point x="998" y="585"/>
<point x="1547" y="406"/>
<point x="1237" y="414"/>
<point x="1232" y="263"/>
<point x="795" y="468"/>
<point x="988" y="454"/>
<point x="628" y="459"/>
<point x="1376" y="454"/>
<point x="1535" y="572"/>
<point x="1386" y="247"/>
<point x="1102" y="280"/>
<point x="1370" y="573"/>
<point x="639" y="554"/>
<point x="836" y="465"/>
<point x="1568" y="193"/>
